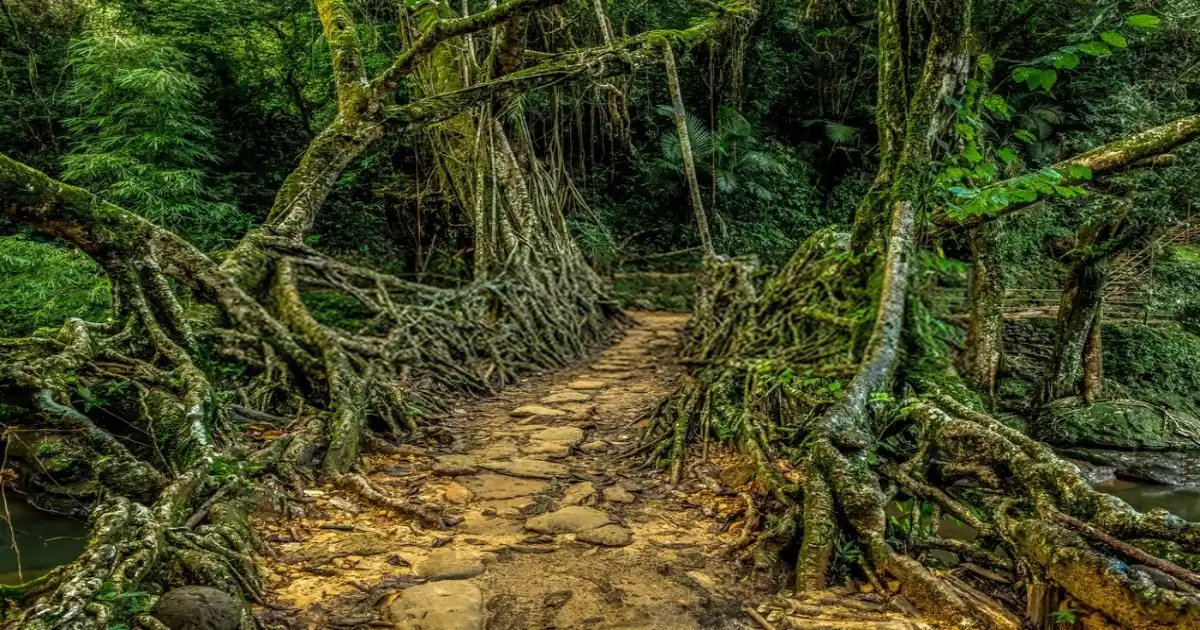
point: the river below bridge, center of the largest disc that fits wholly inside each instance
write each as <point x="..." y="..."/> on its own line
<point x="44" y="541"/>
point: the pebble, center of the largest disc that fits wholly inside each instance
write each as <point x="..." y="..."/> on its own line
<point x="595" y="446"/>
<point x="448" y="605"/>
<point x="569" y="520"/>
<point x="606" y="536"/>
<point x="457" y="494"/>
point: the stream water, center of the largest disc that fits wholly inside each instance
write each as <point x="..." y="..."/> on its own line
<point x="1182" y="502"/>
<point x="45" y="541"/>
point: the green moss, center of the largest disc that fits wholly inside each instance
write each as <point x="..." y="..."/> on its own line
<point x="1123" y="424"/>
<point x="1153" y="363"/>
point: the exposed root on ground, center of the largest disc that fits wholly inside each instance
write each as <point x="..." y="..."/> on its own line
<point x="770" y="380"/>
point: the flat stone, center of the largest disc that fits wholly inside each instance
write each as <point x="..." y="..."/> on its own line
<point x="595" y="446"/>
<point x="571" y="436"/>
<point x="531" y="468"/>
<point x="617" y="494"/>
<point x="586" y="384"/>
<point x="501" y="450"/>
<point x="565" y="397"/>
<point x="703" y="581"/>
<point x="662" y="343"/>
<point x="453" y="465"/>
<point x="579" y="493"/>
<point x="611" y="366"/>
<point x="738" y="474"/>
<point x="548" y="449"/>
<point x="606" y="536"/>
<point x="578" y="409"/>
<point x="529" y="411"/>
<point x="450" y="564"/>
<point x="457" y="494"/>
<point x="618" y="376"/>
<point x="489" y="487"/>
<point x="453" y="605"/>
<point x="509" y="508"/>
<point x="569" y="520"/>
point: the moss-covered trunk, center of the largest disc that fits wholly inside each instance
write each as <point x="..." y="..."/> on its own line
<point x="1078" y="341"/>
<point x="985" y="325"/>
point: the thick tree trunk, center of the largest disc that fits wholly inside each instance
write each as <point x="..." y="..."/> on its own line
<point x="985" y="328"/>
<point x="1078" y="332"/>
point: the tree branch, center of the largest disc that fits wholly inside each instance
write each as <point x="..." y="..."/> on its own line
<point x="1108" y="158"/>
<point x="443" y="30"/>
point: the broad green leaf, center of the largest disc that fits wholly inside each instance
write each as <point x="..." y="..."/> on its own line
<point x="986" y="63"/>
<point x="1143" y="21"/>
<point x="1079" y="171"/>
<point x="1064" y="60"/>
<point x="1114" y="39"/>
<point x="996" y="103"/>
<point x="1022" y="195"/>
<point x="1095" y="49"/>
<point x="1049" y="78"/>
<point x="1007" y="155"/>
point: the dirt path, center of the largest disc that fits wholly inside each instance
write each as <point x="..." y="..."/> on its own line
<point x="557" y="532"/>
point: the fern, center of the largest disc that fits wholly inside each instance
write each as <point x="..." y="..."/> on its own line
<point x="42" y="284"/>
<point x="139" y="136"/>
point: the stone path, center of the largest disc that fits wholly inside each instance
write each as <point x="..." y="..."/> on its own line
<point x="556" y="530"/>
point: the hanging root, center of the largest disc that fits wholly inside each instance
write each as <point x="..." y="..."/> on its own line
<point x="305" y="397"/>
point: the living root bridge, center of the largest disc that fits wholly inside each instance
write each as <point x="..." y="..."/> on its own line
<point x="186" y="374"/>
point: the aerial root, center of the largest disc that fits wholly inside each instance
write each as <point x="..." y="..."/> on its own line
<point x="430" y="514"/>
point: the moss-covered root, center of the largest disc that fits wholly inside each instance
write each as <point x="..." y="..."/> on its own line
<point x="1097" y="580"/>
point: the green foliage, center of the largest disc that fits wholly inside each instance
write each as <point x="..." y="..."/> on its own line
<point x="1153" y="363"/>
<point x="140" y="138"/>
<point x="732" y="155"/>
<point x="42" y="284"/>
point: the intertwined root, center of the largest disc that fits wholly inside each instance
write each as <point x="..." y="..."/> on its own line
<point x="323" y="391"/>
<point x="769" y="376"/>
